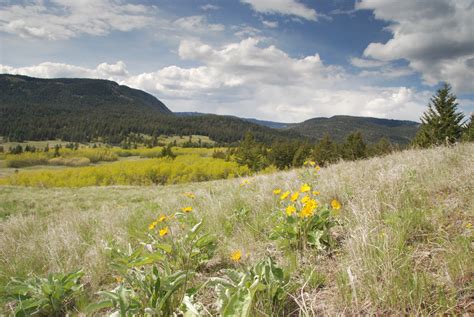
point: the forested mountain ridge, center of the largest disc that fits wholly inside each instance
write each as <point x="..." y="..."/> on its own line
<point x="373" y="129"/>
<point x="83" y="110"/>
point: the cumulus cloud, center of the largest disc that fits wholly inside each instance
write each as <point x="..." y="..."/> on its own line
<point x="283" y="7"/>
<point x="252" y="79"/>
<point x="435" y="36"/>
<point x="54" y="70"/>
<point x="63" y="19"/>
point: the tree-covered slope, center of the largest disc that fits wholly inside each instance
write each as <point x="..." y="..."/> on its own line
<point x="373" y="129"/>
<point x="87" y="109"/>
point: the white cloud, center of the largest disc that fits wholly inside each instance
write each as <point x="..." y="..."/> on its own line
<point x="251" y="79"/>
<point x="283" y="7"/>
<point x="197" y="24"/>
<point x="366" y="63"/>
<point x="208" y="7"/>
<point x="270" y="24"/>
<point x="63" y="19"/>
<point x="57" y="70"/>
<point x="435" y="36"/>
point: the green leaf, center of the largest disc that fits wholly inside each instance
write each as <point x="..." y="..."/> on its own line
<point x="98" y="306"/>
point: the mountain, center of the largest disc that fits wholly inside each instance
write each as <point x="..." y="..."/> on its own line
<point x="83" y="110"/>
<point x="75" y="94"/>
<point x="373" y="129"/>
<point x="264" y="123"/>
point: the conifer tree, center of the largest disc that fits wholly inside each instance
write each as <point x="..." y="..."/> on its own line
<point x="354" y="148"/>
<point x="468" y="134"/>
<point x="325" y="152"/>
<point x="441" y="123"/>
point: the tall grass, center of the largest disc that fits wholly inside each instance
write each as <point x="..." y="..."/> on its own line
<point x="405" y="244"/>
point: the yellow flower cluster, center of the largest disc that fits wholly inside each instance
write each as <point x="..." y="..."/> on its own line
<point x="163" y="218"/>
<point x="309" y="204"/>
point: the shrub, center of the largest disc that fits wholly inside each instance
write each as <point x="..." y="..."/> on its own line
<point x="70" y="161"/>
<point x="51" y="296"/>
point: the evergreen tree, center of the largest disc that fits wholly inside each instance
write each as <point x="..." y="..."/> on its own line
<point x="468" y="134"/>
<point x="354" y="148"/>
<point x="251" y="153"/>
<point x="167" y="151"/>
<point x="441" y="122"/>
<point x="325" y="152"/>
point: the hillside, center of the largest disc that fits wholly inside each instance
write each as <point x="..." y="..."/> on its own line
<point x="402" y="243"/>
<point x="89" y="109"/>
<point x="373" y="129"/>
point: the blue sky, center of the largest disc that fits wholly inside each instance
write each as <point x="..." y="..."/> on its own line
<point x="283" y="60"/>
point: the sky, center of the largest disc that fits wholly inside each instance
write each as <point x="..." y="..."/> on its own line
<point x="279" y="60"/>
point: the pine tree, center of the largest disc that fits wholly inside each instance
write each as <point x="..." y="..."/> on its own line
<point x="354" y="148"/>
<point x="468" y="134"/>
<point x="441" y="123"/>
<point x="325" y="152"/>
<point x="251" y="153"/>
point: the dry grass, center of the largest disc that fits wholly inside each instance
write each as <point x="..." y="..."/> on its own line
<point x="405" y="246"/>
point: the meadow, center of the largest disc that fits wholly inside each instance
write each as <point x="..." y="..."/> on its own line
<point x="389" y="235"/>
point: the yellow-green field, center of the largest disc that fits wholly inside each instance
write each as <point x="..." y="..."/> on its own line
<point x="402" y="243"/>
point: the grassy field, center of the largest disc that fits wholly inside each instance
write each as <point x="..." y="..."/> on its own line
<point x="403" y="244"/>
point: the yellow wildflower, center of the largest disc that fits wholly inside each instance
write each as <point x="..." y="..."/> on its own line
<point x="118" y="279"/>
<point x="290" y="210"/>
<point x="469" y="225"/>
<point x="335" y="204"/>
<point x="244" y="182"/>
<point x="163" y="232"/>
<point x="161" y="218"/>
<point x="311" y="163"/>
<point x="316" y="193"/>
<point x="308" y="209"/>
<point x="187" y="209"/>
<point x="190" y="195"/>
<point x="305" y="199"/>
<point x="295" y="196"/>
<point x="317" y="168"/>
<point x="236" y="255"/>
<point x="152" y="225"/>
<point x="277" y="191"/>
<point x="285" y="195"/>
<point x="305" y="188"/>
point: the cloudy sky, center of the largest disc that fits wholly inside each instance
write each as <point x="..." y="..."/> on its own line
<point x="281" y="60"/>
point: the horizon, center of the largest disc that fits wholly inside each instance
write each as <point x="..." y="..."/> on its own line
<point x="283" y="61"/>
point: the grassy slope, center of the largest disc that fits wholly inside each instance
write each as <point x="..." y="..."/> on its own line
<point x="405" y="243"/>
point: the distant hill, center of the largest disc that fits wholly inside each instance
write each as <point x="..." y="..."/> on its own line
<point x="264" y="123"/>
<point x="373" y="129"/>
<point x="86" y="109"/>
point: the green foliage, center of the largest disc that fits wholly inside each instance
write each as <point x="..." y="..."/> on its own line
<point x="354" y="148"/>
<point x="261" y="288"/>
<point x="51" y="296"/>
<point x="468" y="134"/>
<point x="441" y="123"/>
<point x="326" y="151"/>
<point x="251" y="153"/>
<point x="287" y="154"/>
<point x="144" y="291"/>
